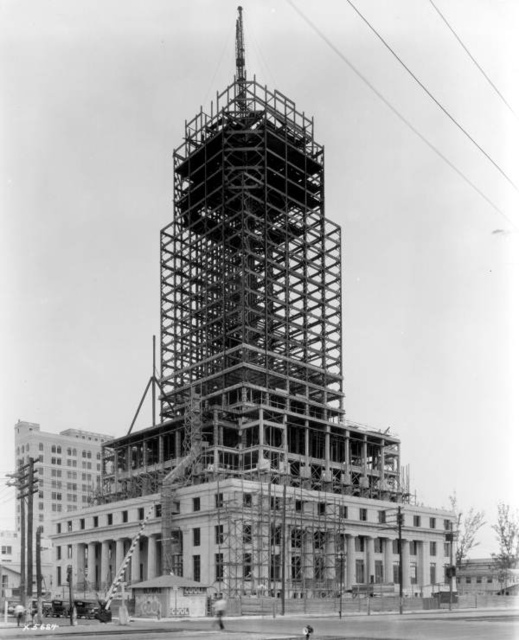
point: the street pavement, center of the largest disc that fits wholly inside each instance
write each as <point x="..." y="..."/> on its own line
<point x="480" y="624"/>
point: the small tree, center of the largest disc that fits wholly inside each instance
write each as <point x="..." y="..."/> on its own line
<point x="507" y="533"/>
<point x="467" y="526"/>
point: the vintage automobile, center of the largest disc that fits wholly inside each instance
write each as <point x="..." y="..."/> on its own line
<point x="58" y="609"/>
<point x="85" y="608"/>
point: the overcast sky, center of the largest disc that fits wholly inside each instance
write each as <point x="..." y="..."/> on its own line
<point x="94" y="96"/>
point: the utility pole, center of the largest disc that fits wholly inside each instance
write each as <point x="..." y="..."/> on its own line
<point x="400" y="521"/>
<point x="341" y="577"/>
<point x="26" y="484"/>
<point x="30" y="528"/>
<point x="451" y="571"/>
<point x="39" y="531"/>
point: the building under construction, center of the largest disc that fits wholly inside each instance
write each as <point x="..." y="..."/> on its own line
<point x="260" y="483"/>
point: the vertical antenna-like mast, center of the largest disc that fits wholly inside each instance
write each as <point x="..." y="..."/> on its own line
<point x="241" y="75"/>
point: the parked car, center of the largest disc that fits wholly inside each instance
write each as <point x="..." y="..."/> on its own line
<point x="58" y="609"/>
<point x="85" y="608"/>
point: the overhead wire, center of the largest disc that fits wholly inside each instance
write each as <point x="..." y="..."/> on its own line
<point x="219" y="64"/>
<point x="437" y="102"/>
<point x="397" y="113"/>
<point x="473" y="59"/>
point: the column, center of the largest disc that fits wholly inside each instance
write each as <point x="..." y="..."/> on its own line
<point x="105" y="550"/>
<point x="135" y="563"/>
<point x="91" y="566"/>
<point x="388" y="560"/>
<point x="152" y="557"/>
<point x="119" y="555"/>
<point x="350" y="561"/>
<point x="405" y="564"/>
<point x="370" y="559"/>
<point x="423" y="564"/>
<point x="79" y="554"/>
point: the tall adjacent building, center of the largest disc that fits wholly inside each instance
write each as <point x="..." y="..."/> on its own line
<point x="68" y="469"/>
<point x="258" y="482"/>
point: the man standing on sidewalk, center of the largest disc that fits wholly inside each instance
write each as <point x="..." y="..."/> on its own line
<point x="19" y="610"/>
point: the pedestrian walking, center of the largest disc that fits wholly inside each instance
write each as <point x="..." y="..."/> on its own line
<point x="308" y="630"/>
<point x="19" y="611"/>
<point x="219" y="610"/>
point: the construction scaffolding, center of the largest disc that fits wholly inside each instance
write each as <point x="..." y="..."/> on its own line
<point x="251" y="354"/>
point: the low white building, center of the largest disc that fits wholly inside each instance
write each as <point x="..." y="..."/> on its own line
<point x="246" y="537"/>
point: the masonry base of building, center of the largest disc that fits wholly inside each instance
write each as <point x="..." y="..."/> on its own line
<point x="247" y="538"/>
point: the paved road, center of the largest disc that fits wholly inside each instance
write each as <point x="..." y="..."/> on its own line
<point x="465" y="625"/>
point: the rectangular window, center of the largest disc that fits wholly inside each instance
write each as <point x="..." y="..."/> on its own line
<point x="343" y="511"/>
<point x="432" y="549"/>
<point x="468" y="580"/>
<point x="247" y="533"/>
<point x="82" y="523"/>
<point x="479" y="579"/>
<point x="446" y="549"/>
<point x="218" y="534"/>
<point x="296" y="538"/>
<point x="359" y="543"/>
<point x="58" y="527"/>
<point x="413" y="573"/>
<point x="359" y="571"/>
<point x="58" y="553"/>
<point x="321" y="508"/>
<point x="416" y="521"/>
<point x="196" y="504"/>
<point x="69" y="551"/>
<point x="96" y="521"/>
<point x="58" y="576"/>
<point x="275" y="566"/>
<point x="363" y="514"/>
<point x="413" y="547"/>
<point x="218" y="566"/>
<point x="447" y="525"/>
<point x="158" y="510"/>
<point x="432" y="573"/>
<point x="218" y="501"/>
<point x="109" y="519"/>
<point x="196" y="537"/>
<point x="125" y="516"/>
<point x="379" y="571"/>
<point x="247" y="499"/>
<point x="432" y="523"/>
<point x="299" y="505"/>
<point x="319" y="567"/>
<point x="396" y="547"/>
<point x="396" y="572"/>
<point x="296" y="569"/>
<point x="382" y="517"/>
<point x="378" y="545"/>
<point x="196" y="568"/>
<point x="140" y="514"/>
<point x="247" y="565"/>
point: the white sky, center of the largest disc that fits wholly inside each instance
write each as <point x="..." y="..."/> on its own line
<point x="94" y="96"/>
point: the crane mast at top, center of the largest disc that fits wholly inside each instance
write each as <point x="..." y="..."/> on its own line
<point x="241" y="75"/>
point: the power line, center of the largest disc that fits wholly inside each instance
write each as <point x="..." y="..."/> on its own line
<point x="437" y="102"/>
<point x="472" y="58"/>
<point x="397" y="113"/>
